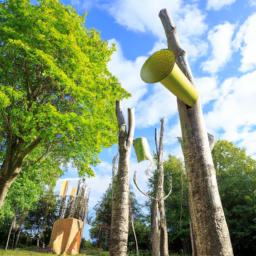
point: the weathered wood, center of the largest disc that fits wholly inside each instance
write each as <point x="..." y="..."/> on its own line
<point x="120" y="186"/>
<point x="209" y="226"/>
<point x="147" y="194"/>
<point x="155" y="229"/>
<point x="159" y="226"/>
<point x="164" y="251"/>
<point x="133" y="228"/>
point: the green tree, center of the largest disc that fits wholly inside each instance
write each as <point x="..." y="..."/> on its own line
<point x="177" y="213"/>
<point x="100" y="230"/>
<point x="176" y="205"/>
<point x="25" y="193"/>
<point x="56" y="92"/>
<point x="39" y="222"/>
<point x="236" y="174"/>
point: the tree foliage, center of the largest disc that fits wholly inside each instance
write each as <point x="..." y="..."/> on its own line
<point x="39" y="222"/>
<point x="32" y="183"/>
<point x="56" y="92"/>
<point x="100" y="230"/>
<point x="176" y="205"/>
<point x="177" y="213"/>
<point x="236" y="174"/>
<point x="27" y="192"/>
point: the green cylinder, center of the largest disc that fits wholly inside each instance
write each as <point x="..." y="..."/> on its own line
<point x="142" y="149"/>
<point x="161" y="67"/>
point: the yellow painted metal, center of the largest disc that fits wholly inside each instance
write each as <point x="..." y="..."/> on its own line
<point x="161" y="67"/>
<point x="64" y="188"/>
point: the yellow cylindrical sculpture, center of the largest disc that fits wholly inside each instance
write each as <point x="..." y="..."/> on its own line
<point x="161" y="67"/>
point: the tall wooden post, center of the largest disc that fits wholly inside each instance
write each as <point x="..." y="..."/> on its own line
<point x="120" y="187"/>
<point x="209" y="226"/>
<point x="160" y="191"/>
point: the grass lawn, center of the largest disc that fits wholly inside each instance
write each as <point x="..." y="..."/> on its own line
<point x="19" y="252"/>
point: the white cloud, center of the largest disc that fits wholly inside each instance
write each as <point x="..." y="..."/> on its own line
<point x="208" y="89"/>
<point x="245" y="41"/>
<point x="142" y="16"/>
<point x="233" y="111"/>
<point x="218" y="4"/>
<point x="252" y="2"/>
<point x="151" y="102"/>
<point x="159" y="103"/>
<point x="220" y="38"/>
<point x="128" y="73"/>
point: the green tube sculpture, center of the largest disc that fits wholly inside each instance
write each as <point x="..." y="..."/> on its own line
<point x="142" y="149"/>
<point x="161" y="67"/>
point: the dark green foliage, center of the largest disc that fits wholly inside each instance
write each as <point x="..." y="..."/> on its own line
<point x="236" y="173"/>
<point x="176" y="205"/>
<point x="39" y="222"/>
<point x="100" y="231"/>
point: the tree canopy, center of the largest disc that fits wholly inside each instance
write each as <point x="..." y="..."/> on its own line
<point x="236" y="175"/>
<point x="56" y="92"/>
<point x="29" y="187"/>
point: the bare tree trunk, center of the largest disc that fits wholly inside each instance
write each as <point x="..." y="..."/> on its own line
<point x="155" y="228"/>
<point x="207" y="216"/>
<point x="9" y="233"/>
<point x="17" y="238"/>
<point x="133" y="228"/>
<point x="120" y="189"/>
<point x="164" y="251"/>
<point x="20" y="224"/>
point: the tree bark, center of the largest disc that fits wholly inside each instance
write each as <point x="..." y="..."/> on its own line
<point x="120" y="189"/>
<point x="207" y="216"/>
<point x="133" y="228"/>
<point x="11" y="166"/>
<point x="164" y="251"/>
<point x="10" y="232"/>
<point x="155" y="227"/>
<point x="6" y="182"/>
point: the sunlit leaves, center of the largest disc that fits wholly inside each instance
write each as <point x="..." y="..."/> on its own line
<point x="54" y="81"/>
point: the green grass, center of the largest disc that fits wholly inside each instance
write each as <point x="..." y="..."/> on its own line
<point x="21" y="253"/>
<point x="28" y="252"/>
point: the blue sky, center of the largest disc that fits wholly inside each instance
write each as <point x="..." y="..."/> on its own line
<point x="220" y="39"/>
